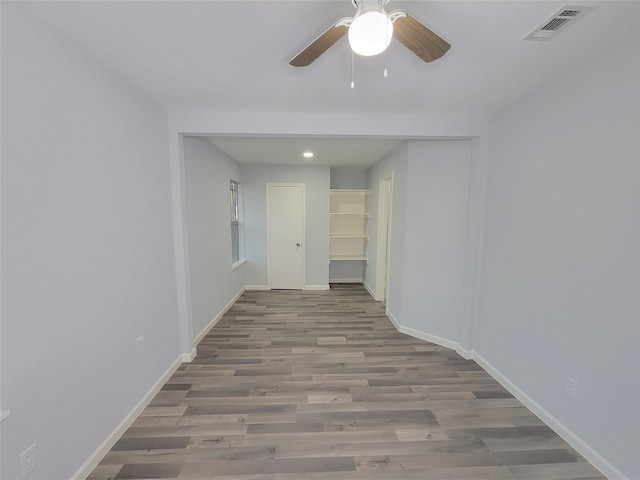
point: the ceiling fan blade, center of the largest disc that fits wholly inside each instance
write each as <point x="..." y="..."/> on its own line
<point x="320" y="45"/>
<point x="419" y="39"/>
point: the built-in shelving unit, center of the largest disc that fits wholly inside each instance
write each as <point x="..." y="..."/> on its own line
<point x="347" y="224"/>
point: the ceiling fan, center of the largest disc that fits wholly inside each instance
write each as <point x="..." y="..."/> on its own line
<point x="370" y="31"/>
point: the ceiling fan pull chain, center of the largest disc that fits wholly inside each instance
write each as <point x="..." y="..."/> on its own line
<point x="353" y="60"/>
<point x="386" y="62"/>
<point x="386" y="57"/>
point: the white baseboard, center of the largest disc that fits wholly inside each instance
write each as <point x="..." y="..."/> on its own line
<point x="188" y="357"/>
<point x="217" y="318"/>
<point x="94" y="459"/>
<point x="429" y="338"/>
<point x="257" y="287"/>
<point x="443" y="342"/>
<point x="316" y="287"/>
<point x="368" y="288"/>
<point x="392" y="318"/>
<point x="466" y="354"/>
<point x="306" y="287"/>
<point x="345" y="280"/>
<point x="597" y="460"/>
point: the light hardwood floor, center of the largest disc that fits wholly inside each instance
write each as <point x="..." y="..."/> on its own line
<point x="319" y="385"/>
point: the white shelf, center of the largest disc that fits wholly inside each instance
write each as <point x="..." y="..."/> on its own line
<point x="347" y="225"/>
<point x="346" y="214"/>
<point x="347" y="257"/>
<point x="338" y="235"/>
<point x="350" y="191"/>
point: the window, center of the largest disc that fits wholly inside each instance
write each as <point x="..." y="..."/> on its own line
<point x="236" y="204"/>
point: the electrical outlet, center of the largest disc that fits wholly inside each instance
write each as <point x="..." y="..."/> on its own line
<point x="29" y="459"/>
<point x="572" y="386"/>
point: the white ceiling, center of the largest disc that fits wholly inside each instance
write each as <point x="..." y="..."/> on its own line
<point x="233" y="55"/>
<point x="352" y="152"/>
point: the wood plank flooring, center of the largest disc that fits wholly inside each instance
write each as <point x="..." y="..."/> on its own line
<point x="294" y="385"/>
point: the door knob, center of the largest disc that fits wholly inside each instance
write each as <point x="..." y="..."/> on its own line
<point x="297" y="244"/>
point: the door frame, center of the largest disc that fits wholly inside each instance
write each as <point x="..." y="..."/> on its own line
<point x="302" y="233"/>
<point x="385" y="203"/>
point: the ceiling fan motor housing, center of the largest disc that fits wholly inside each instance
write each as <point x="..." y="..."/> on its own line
<point x="357" y="3"/>
<point x="371" y="28"/>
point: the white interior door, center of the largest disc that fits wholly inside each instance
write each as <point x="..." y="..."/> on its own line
<point x="285" y="232"/>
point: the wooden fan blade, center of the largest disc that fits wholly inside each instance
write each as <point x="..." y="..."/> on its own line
<point x="319" y="45"/>
<point x="419" y="39"/>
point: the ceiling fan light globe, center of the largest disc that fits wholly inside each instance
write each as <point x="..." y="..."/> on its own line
<point x="370" y="33"/>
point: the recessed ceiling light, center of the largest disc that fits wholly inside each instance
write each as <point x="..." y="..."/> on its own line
<point x="307" y="154"/>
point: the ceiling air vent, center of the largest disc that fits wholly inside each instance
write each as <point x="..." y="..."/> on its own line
<point x="557" y="22"/>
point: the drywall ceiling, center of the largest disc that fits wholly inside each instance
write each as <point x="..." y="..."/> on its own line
<point x="232" y="56"/>
<point x="353" y="152"/>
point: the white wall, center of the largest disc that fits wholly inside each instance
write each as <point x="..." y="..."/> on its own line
<point x="348" y="177"/>
<point x="88" y="282"/>
<point x="435" y="237"/>
<point x="429" y="237"/>
<point x="396" y="163"/>
<point x="560" y="280"/>
<point x="346" y="271"/>
<point x="213" y="282"/>
<point x="316" y="180"/>
<point x="365" y="123"/>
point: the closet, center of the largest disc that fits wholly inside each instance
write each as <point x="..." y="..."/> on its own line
<point x="347" y="224"/>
